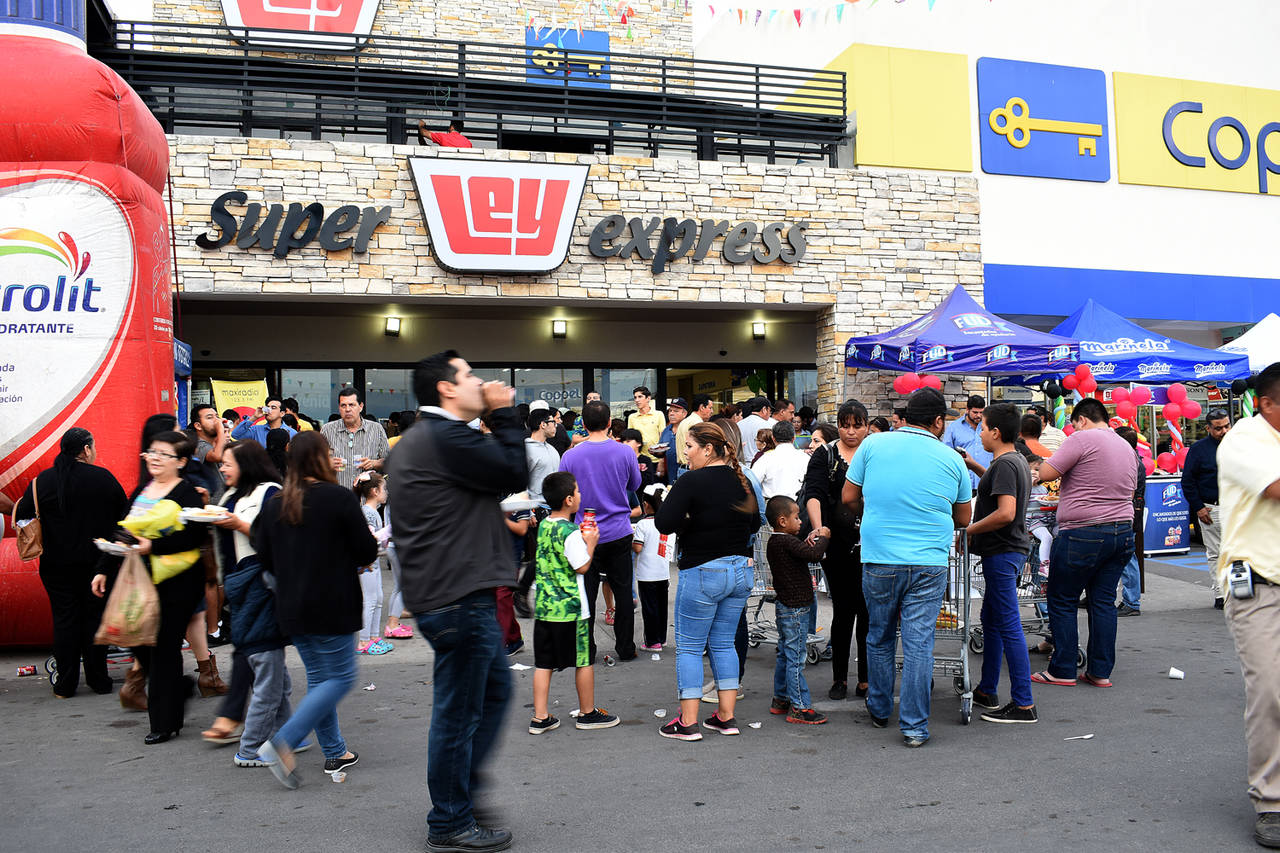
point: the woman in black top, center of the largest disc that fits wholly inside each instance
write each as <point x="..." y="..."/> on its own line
<point x="166" y="456"/>
<point x="77" y="502"/>
<point x="823" y="482"/>
<point x="712" y="509"/>
<point x="313" y="538"/>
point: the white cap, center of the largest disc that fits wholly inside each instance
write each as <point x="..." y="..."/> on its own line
<point x="539" y="404"/>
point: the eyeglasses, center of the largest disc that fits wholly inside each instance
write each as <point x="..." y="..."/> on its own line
<point x="157" y="454"/>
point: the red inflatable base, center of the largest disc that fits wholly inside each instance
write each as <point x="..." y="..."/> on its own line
<point x="28" y="620"/>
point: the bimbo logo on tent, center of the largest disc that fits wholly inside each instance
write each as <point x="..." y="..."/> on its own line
<point x="489" y="216"/>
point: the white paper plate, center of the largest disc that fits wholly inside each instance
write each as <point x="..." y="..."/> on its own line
<point x="118" y="549"/>
<point x="201" y="516"/>
<point x="518" y="504"/>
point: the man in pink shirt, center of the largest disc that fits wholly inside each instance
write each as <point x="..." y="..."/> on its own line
<point x="452" y="139"/>
<point x="1094" y="542"/>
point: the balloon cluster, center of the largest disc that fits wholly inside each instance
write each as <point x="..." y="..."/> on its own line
<point x="1082" y="380"/>
<point x="1179" y="406"/>
<point x="908" y="382"/>
<point x="1171" y="462"/>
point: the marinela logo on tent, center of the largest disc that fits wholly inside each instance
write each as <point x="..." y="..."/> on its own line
<point x="62" y="296"/>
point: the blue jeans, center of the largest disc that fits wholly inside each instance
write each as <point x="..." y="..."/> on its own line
<point x="1086" y="559"/>
<point x="1131" y="583"/>
<point x="710" y="600"/>
<point x="788" y="673"/>
<point x="910" y="596"/>
<point x="1002" y="628"/>
<point x="471" y="687"/>
<point x="330" y="660"/>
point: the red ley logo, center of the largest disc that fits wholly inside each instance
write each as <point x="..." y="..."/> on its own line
<point x="337" y="17"/>
<point x="486" y="216"/>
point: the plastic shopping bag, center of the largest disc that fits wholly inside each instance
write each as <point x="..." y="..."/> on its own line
<point x="132" y="614"/>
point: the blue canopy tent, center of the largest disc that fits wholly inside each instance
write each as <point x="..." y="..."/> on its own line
<point x="960" y="336"/>
<point x="1117" y="350"/>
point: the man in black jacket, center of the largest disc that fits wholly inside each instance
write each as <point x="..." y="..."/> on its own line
<point x="446" y="482"/>
<point x="1200" y="488"/>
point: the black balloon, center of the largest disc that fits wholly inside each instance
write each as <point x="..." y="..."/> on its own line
<point x="1251" y="382"/>
<point x="1239" y="386"/>
<point x="1053" y="390"/>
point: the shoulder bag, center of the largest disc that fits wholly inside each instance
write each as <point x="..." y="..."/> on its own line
<point x="30" y="537"/>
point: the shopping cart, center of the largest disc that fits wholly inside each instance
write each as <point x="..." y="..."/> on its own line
<point x="761" y="629"/>
<point x="952" y="629"/>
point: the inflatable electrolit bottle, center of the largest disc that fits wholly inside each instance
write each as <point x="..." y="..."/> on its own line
<point x="86" y="331"/>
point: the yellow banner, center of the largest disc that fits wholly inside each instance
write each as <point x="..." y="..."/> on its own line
<point x="235" y="395"/>
<point x="1207" y="136"/>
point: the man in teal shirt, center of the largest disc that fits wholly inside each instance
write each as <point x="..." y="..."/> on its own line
<point x="912" y="492"/>
<point x="966" y="434"/>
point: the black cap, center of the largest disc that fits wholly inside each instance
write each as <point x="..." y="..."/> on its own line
<point x="678" y="401"/>
<point x="925" y="405"/>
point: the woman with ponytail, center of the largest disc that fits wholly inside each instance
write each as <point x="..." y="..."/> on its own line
<point x="77" y="502"/>
<point x="713" y="509"/>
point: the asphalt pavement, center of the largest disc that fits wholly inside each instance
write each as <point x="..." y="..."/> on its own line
<point x="1164" y="768"/>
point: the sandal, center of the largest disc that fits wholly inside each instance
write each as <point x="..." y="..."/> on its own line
<point x="223" y="736"/>
<point x="400" y="632"/>
<point x="1095" y="682"/>
<point x="1045" y="677"/>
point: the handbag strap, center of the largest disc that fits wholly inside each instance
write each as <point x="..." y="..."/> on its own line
<point x="35" y="496"/>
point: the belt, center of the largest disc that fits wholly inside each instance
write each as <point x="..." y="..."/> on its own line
<point x="1257" y="578"/>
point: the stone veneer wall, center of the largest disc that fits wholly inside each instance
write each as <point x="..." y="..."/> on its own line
<point x="664" y="28"/>
<point x="883" y="246"/>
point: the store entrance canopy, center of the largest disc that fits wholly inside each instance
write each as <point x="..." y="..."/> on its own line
<point x="1261" y="344"/>
<point x="960" y="336"/>
<point x="1120" y="351"/>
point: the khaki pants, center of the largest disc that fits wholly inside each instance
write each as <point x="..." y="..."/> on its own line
<point x="1212" y="535"/>
<point x="1255" y="627"/>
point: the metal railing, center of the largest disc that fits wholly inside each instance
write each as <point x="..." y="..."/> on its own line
<point x="205" y="78"/>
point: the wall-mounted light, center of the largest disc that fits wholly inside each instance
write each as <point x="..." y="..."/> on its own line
<point x="559" y="329"/>
<point x="392" y="328"/>
<point x="758" y="330"/>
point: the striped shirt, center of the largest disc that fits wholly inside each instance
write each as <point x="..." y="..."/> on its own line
<point x="369" y="441"/>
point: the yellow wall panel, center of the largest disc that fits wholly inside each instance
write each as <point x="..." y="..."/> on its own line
<point x="1144" y="103"/>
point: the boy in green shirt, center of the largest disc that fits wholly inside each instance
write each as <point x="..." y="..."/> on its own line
<point x="561" y="633"/>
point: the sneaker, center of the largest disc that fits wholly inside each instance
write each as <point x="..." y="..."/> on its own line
<point x="839" y="690"/>
<point x="712" y="696"/>
<point x="724" y="727"/>
<point x="986" y="700"/>
<point x="779" y="706"/>
<point x="806" y="716"/>
<point x="677" y="730"/>
<point x="826" y="654"/>
<point x="1011" y="713"/>
<point x="289" y="779"/>
<point x="913" y="742"/>
<point x="333" y="765"/>
<point x="514" y="648"/>
<point x="478" y="839"/>
<point x="1266" y="831"/>
<point x="656" y="647"/>
<point x="537" y="727"/>
<point x="878" y="722"/>
<point x="596" y="718"/>
<point x="1126" y="610"/>
<point x="250" y="761"/>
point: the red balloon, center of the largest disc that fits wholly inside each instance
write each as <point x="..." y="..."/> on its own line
<point x="1167" y="462"/>
<point x="1181" y="457"/>
<point x="910" y="381"/>
<point x="1083" y="371"/>
<point x="1148" y="465"/>
<point x="1119" y="395"/>
<point x="1191" y="409"/>
<point x="1140" y="395"/>
<point x="1070" y="382"/>
<point x="1068" y="429"/>
<point x="1172" y="411"/>
<point x="1144" y="450"/>
<point x="1088" y="385"/>
<point x="1126" y="410"/>
<point x="1177" y="392"/>
<point x="897" y="385"/>
<point x="931" y="381"/>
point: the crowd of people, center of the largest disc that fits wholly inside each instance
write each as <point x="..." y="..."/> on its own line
<point x="603" y="506"/>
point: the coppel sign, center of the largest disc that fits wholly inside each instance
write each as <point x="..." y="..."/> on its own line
<point x="1209" y="136"/>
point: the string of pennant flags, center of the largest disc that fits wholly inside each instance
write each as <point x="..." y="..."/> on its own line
<point x="581" y="15"/>
<point x="812" y="15"/>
